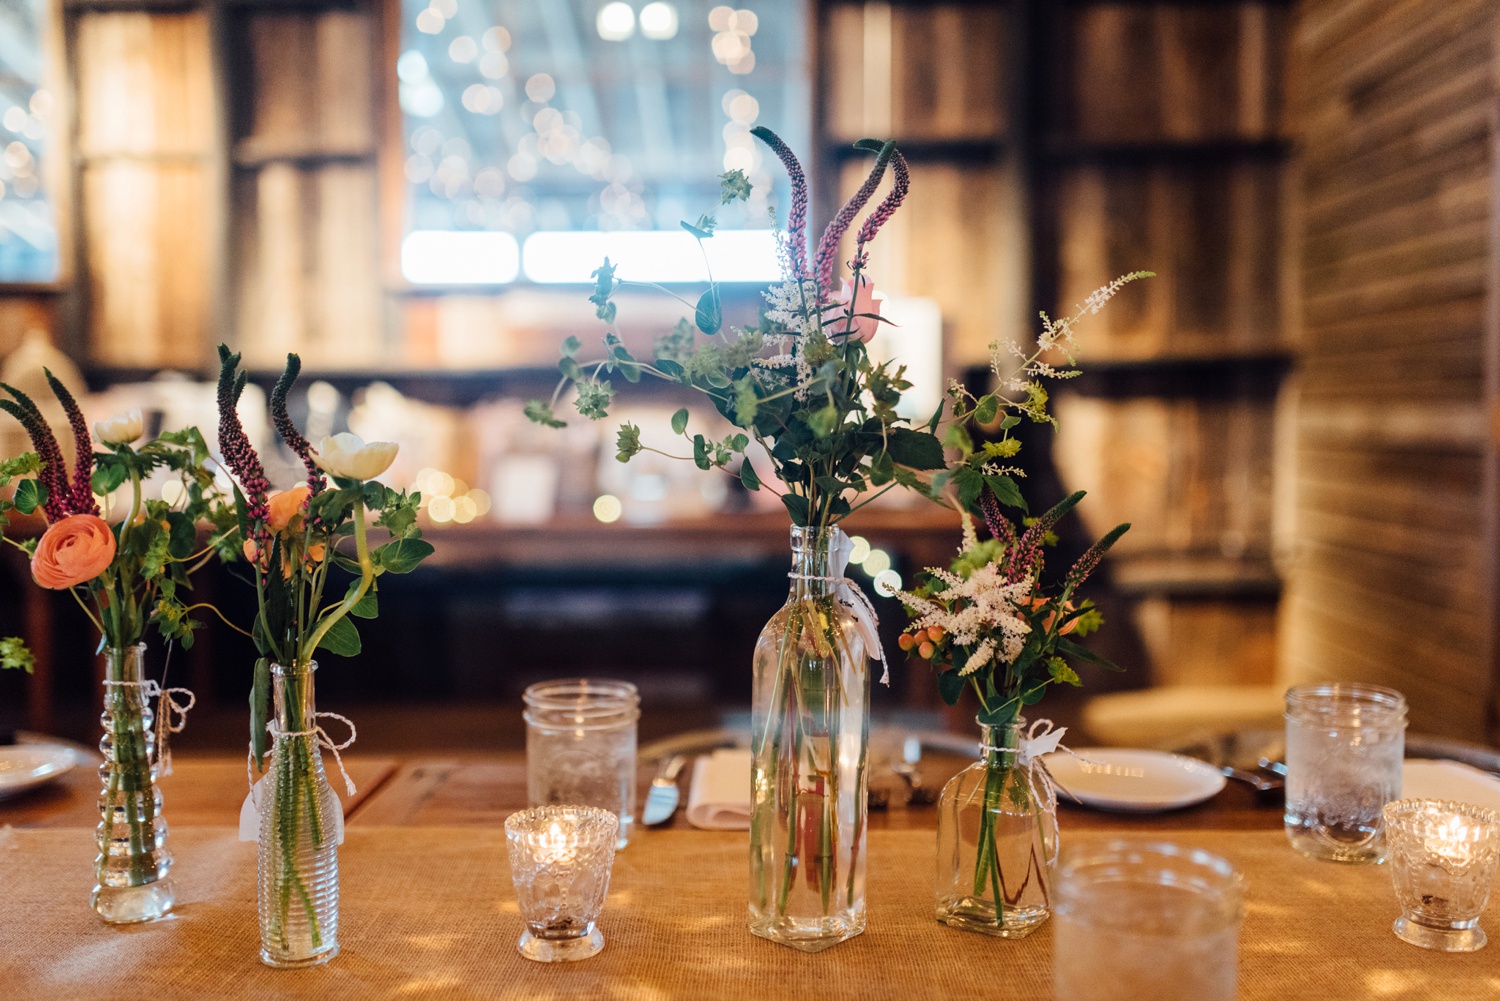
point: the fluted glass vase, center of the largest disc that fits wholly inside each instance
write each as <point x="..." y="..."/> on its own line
<point x="299" y="823"/>
<point x="810" y="731"/>
<point x="997" y="841"/>
<point x="131" y="882"/>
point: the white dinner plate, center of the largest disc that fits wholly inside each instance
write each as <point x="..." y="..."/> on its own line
<point x="1130" y="780"/>
<point x="26" y="766"/>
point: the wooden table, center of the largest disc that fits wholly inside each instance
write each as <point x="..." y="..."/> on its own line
<point x="464" y="791"/>
<point x="199" y="792"/>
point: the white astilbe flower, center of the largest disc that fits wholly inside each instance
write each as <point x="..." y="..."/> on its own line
<point x="971" y="537"/>
<point x="979" y="658"/>
<point x="785" y="304"/>
<point x="980" y="609"/>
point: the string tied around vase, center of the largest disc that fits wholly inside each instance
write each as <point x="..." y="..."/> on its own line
<point x="320" y="736"/>
<point x="852" y="597"/>
<point x="165" y="707"/>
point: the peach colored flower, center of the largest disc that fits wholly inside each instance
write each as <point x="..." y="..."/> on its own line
<point x="286" y="508"/>
<point x="1065" y="630"/>
<point x="74" y="550"/>
<point x="866" y="301"/>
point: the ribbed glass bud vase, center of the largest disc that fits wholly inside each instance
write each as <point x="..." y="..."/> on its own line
<point x="299" y="855"/>
<point x="810" y="732"/>
<point x="131" y="869"/>
<point x="997" y="841"/>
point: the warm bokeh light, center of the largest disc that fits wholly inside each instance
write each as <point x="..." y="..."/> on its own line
<point x="860" y="549"/>
<point x="659" y="21"/>
<point x="616" y="21"/>
<point x="877" y="563"/>
<point x="607" y="508"/>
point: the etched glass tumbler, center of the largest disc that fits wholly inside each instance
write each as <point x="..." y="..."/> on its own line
<point x="580" y="746"/>
<point x="560" y="860"/>
<point x="1344" y="745"/>
<point x="1444" y="858"/>
<point x="1144" y="921"/>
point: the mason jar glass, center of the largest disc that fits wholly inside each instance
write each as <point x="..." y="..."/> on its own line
<point x="1344" y="747"/>
<point x="580" y="746"/>
<point x="1145" y="921"/>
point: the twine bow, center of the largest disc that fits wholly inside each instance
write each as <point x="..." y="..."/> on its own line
<point x="853" y="597"/>
<point x="322" y="739"/>
<point x="166" y="705"/>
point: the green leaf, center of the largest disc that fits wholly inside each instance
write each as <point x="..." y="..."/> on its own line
<point x="1072" y="649"/>
<point x="538" y="412"/>
<point x="401" y="555"/>
<point x="986" y="409"/>
<point x="950" y="686"/>
<point x="1009" y="422"/>
<point x="915" y="449"/>
<point x="15" y="655"/>
<point x="570" y="368"/>
<point x="627" y="442"/>
<point x="796" y="507"/>
<point x="701" y="234"/>
<point x="958" y="438"/>
<point x="970" y="484"/>
<point x="1005" y="490"/>
<point x="710" y="315"/>
<point x="366" y="607"/>
<point x="109" y="473"/>
<point x="570" y="346"/>
<point x="260" y="710"/>
<point x="748" y="477"/>
<point x="342" y="639"/>
<point x="30" y="495"/>
<point x="680" y="421"/>
<point x="700" y="452"/>
<point x="1061" y="672"/>
<point x="669" y="368"/>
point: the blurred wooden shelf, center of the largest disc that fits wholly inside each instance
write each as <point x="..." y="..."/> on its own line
<point x="1206" y="151"/>
<point x="966" y="150"/>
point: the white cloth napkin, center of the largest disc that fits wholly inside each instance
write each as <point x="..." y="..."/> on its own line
<point x="719" y="797"/>
<point x="1451" y="780"/>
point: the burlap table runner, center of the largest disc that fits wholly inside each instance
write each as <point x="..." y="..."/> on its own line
<point x="429" y="913"/>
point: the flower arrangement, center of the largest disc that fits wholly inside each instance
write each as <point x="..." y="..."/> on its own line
<point x="126" y="577"/>
<point x="800" y="384"/>
<point x="290" y="540"/>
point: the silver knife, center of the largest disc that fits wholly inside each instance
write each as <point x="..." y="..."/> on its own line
<point x="661" y="800"/>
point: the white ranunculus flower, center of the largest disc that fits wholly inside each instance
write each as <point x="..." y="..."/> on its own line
<point x="348" y="455"/>
<point x="121" y="430"/>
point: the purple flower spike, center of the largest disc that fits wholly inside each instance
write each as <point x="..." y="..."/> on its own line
<point x="81" y="497"/>
<point x="887" y="208"/>
<point x="796" y="220"/>
<point x="54" y="472"/>
<point x="828" y="246"/>
<point x="288" y="431"/>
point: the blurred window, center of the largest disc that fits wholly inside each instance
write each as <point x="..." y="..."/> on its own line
<point x="567" y="129"/>
<point x="28" y="218"/>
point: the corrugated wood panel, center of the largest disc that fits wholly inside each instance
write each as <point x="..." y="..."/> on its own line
<point x="1390" y="568"/>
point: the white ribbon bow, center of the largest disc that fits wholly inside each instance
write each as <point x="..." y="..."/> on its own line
<point x="853" y="597"/>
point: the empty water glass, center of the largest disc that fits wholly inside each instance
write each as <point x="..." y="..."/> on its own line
<point x="560" y="861"/>
<point x="1145" y="921"/>
<point x="580" y="746"/>
<point x="1344" y="746"/>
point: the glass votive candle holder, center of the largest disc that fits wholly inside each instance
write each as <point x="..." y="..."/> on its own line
<point x="1444" y="857"/>
<point x="1344" y="747"/>
<point x="581" y="744"/>
<point x="560" y="860"/>
<point x="1145" y="921"/>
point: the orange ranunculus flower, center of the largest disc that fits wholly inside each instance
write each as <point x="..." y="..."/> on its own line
<point x="286" y="507"/>
<point x="74" y="550"/>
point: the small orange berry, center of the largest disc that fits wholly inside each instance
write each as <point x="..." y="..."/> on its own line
<point x="935" y="633"/>
<point x="906" y="641"/>
<point x="925" y="650"/>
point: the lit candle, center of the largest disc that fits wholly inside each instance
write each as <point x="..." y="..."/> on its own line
<point x="1449" y="842"/>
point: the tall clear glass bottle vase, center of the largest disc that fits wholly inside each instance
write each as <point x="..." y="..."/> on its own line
<point x="997" y="841"/>
<point x="810" y="731"/>
<point x="131" y="882"/>
<point x="299" y="822"/>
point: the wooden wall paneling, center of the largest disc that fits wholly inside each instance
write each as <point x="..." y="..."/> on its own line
<point x="1395" y="503"/>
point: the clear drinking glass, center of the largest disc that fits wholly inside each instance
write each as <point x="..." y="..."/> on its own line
<point x="1143" y="921"/>
<point x="1444" y="858"/>
<point x="1344" y="746"/>
<point x="560" y="860"/>
<point x="580" y="746"/>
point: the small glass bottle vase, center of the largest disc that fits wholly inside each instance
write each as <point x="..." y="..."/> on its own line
<point x="997" y="842"/>
<point x="299" y="824"/>
<point x="810" y="730"/>
<point x="131" y="869"/>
